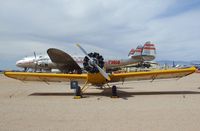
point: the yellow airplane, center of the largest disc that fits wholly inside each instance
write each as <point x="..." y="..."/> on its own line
<point x="100" y="77"/>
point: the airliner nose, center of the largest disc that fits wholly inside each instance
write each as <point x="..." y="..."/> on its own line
<point x="19" y="63"/>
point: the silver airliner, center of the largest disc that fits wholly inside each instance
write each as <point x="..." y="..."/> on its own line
<point x="58" y="59"/>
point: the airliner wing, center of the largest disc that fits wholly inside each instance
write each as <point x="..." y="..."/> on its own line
<point x="64" y="61"/>
<point x="151" y="75"/>
<point x="46" y="77"/>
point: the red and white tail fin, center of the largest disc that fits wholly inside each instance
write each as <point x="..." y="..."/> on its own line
<point x="132" y="51"/>
<point x="149" y="51"/>
<point x="136" y="54"/>
<point x="144" y="53"/>
<point x="138" y="51"/>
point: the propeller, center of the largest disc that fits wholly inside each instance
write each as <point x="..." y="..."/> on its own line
<point x="35" y="61"/>
<point x="92" y="61"/>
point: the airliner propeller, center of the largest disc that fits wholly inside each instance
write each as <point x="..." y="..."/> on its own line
<point x="35" y="61"/>
<point x="94" y="63"/>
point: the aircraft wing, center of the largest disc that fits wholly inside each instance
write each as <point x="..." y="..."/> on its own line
<point x="46" y="77"/>
<point x="151" y="75"/>
<point x="98" y="79"/>
<point x="64" y="61"/>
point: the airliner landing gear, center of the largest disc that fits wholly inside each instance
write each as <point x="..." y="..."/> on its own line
<point x="114" y="92"/>
<point x="26" y="69"/>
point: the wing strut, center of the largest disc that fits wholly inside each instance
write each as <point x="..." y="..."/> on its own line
<point x="85" y="87"/>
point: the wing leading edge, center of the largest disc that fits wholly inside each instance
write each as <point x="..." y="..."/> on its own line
<point x="98" y="79"/>
<point x="151" y="75"/>
<point x="46" y="77"/>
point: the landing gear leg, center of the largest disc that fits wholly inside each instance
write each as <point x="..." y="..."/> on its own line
<point x="78" y="94"/>
<point x="26" y="69"/>
<point x="77" y="89"/>
<point x="114" y="92"/>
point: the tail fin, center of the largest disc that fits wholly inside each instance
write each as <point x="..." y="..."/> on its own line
<point x="149" y="51"/>
<point x="132" y="51"/>
<point x="136" y="54"/>
<point x="138" y="51"/>
<point x="144" y="53"/>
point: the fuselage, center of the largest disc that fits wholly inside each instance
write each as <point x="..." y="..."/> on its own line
<point x="140" y="54"/>
<point x="44" y="62"/>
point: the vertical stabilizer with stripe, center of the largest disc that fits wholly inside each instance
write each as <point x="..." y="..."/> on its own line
<point x="149" y="51"/>
<point x="143" y="53"/>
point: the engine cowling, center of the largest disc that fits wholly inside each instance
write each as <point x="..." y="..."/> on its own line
<point x="89" y="64"/>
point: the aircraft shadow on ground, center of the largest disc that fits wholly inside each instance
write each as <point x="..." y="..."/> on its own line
<point x="121" y="94"/>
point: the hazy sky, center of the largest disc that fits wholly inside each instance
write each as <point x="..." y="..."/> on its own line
<point x="110" y="27"/>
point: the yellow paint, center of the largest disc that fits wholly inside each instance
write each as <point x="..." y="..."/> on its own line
<point x="31" y="74"/>
<point x="114" y="96"/>
<point x="77" y="97"/>
<point x="85" y="86"/>
<point x="155" y="72"/>
<point x="96" y="78"/>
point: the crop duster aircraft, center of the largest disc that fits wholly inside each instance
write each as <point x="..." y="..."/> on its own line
<point x="58" y="59"/>
<point x="97" y="76"/>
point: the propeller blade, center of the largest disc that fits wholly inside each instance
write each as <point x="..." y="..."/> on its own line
<point x="103" y="73"/>
<point x="34" y="54"/>
<point x="35" y="62"/>
<point x="82" y="49"/>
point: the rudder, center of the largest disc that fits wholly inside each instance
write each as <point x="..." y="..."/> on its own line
<point x="149" y="51"/>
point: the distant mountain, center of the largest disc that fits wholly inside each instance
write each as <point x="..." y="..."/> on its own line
<point x="184" y="63"/>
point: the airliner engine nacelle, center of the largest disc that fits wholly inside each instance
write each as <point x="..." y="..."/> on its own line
<point x="42" y="64"/>
<point x="89" y="65"/>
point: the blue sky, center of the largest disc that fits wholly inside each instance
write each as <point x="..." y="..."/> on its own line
<point x="111" y="27"/>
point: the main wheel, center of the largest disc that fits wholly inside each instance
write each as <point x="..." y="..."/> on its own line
<point x="114" y="91"/>
<point x="78" y="91"/>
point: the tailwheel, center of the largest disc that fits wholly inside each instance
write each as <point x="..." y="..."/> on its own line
<point x="114" y="92"/>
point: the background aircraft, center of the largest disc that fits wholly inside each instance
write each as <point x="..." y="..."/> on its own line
<point x="57" y="59"/>
<point x="95" y="75"/>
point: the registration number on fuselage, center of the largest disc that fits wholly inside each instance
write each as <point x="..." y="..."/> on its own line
<point x="114" y="62"/>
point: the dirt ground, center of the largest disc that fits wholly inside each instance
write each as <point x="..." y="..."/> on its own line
<point x="169" y="105"/>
